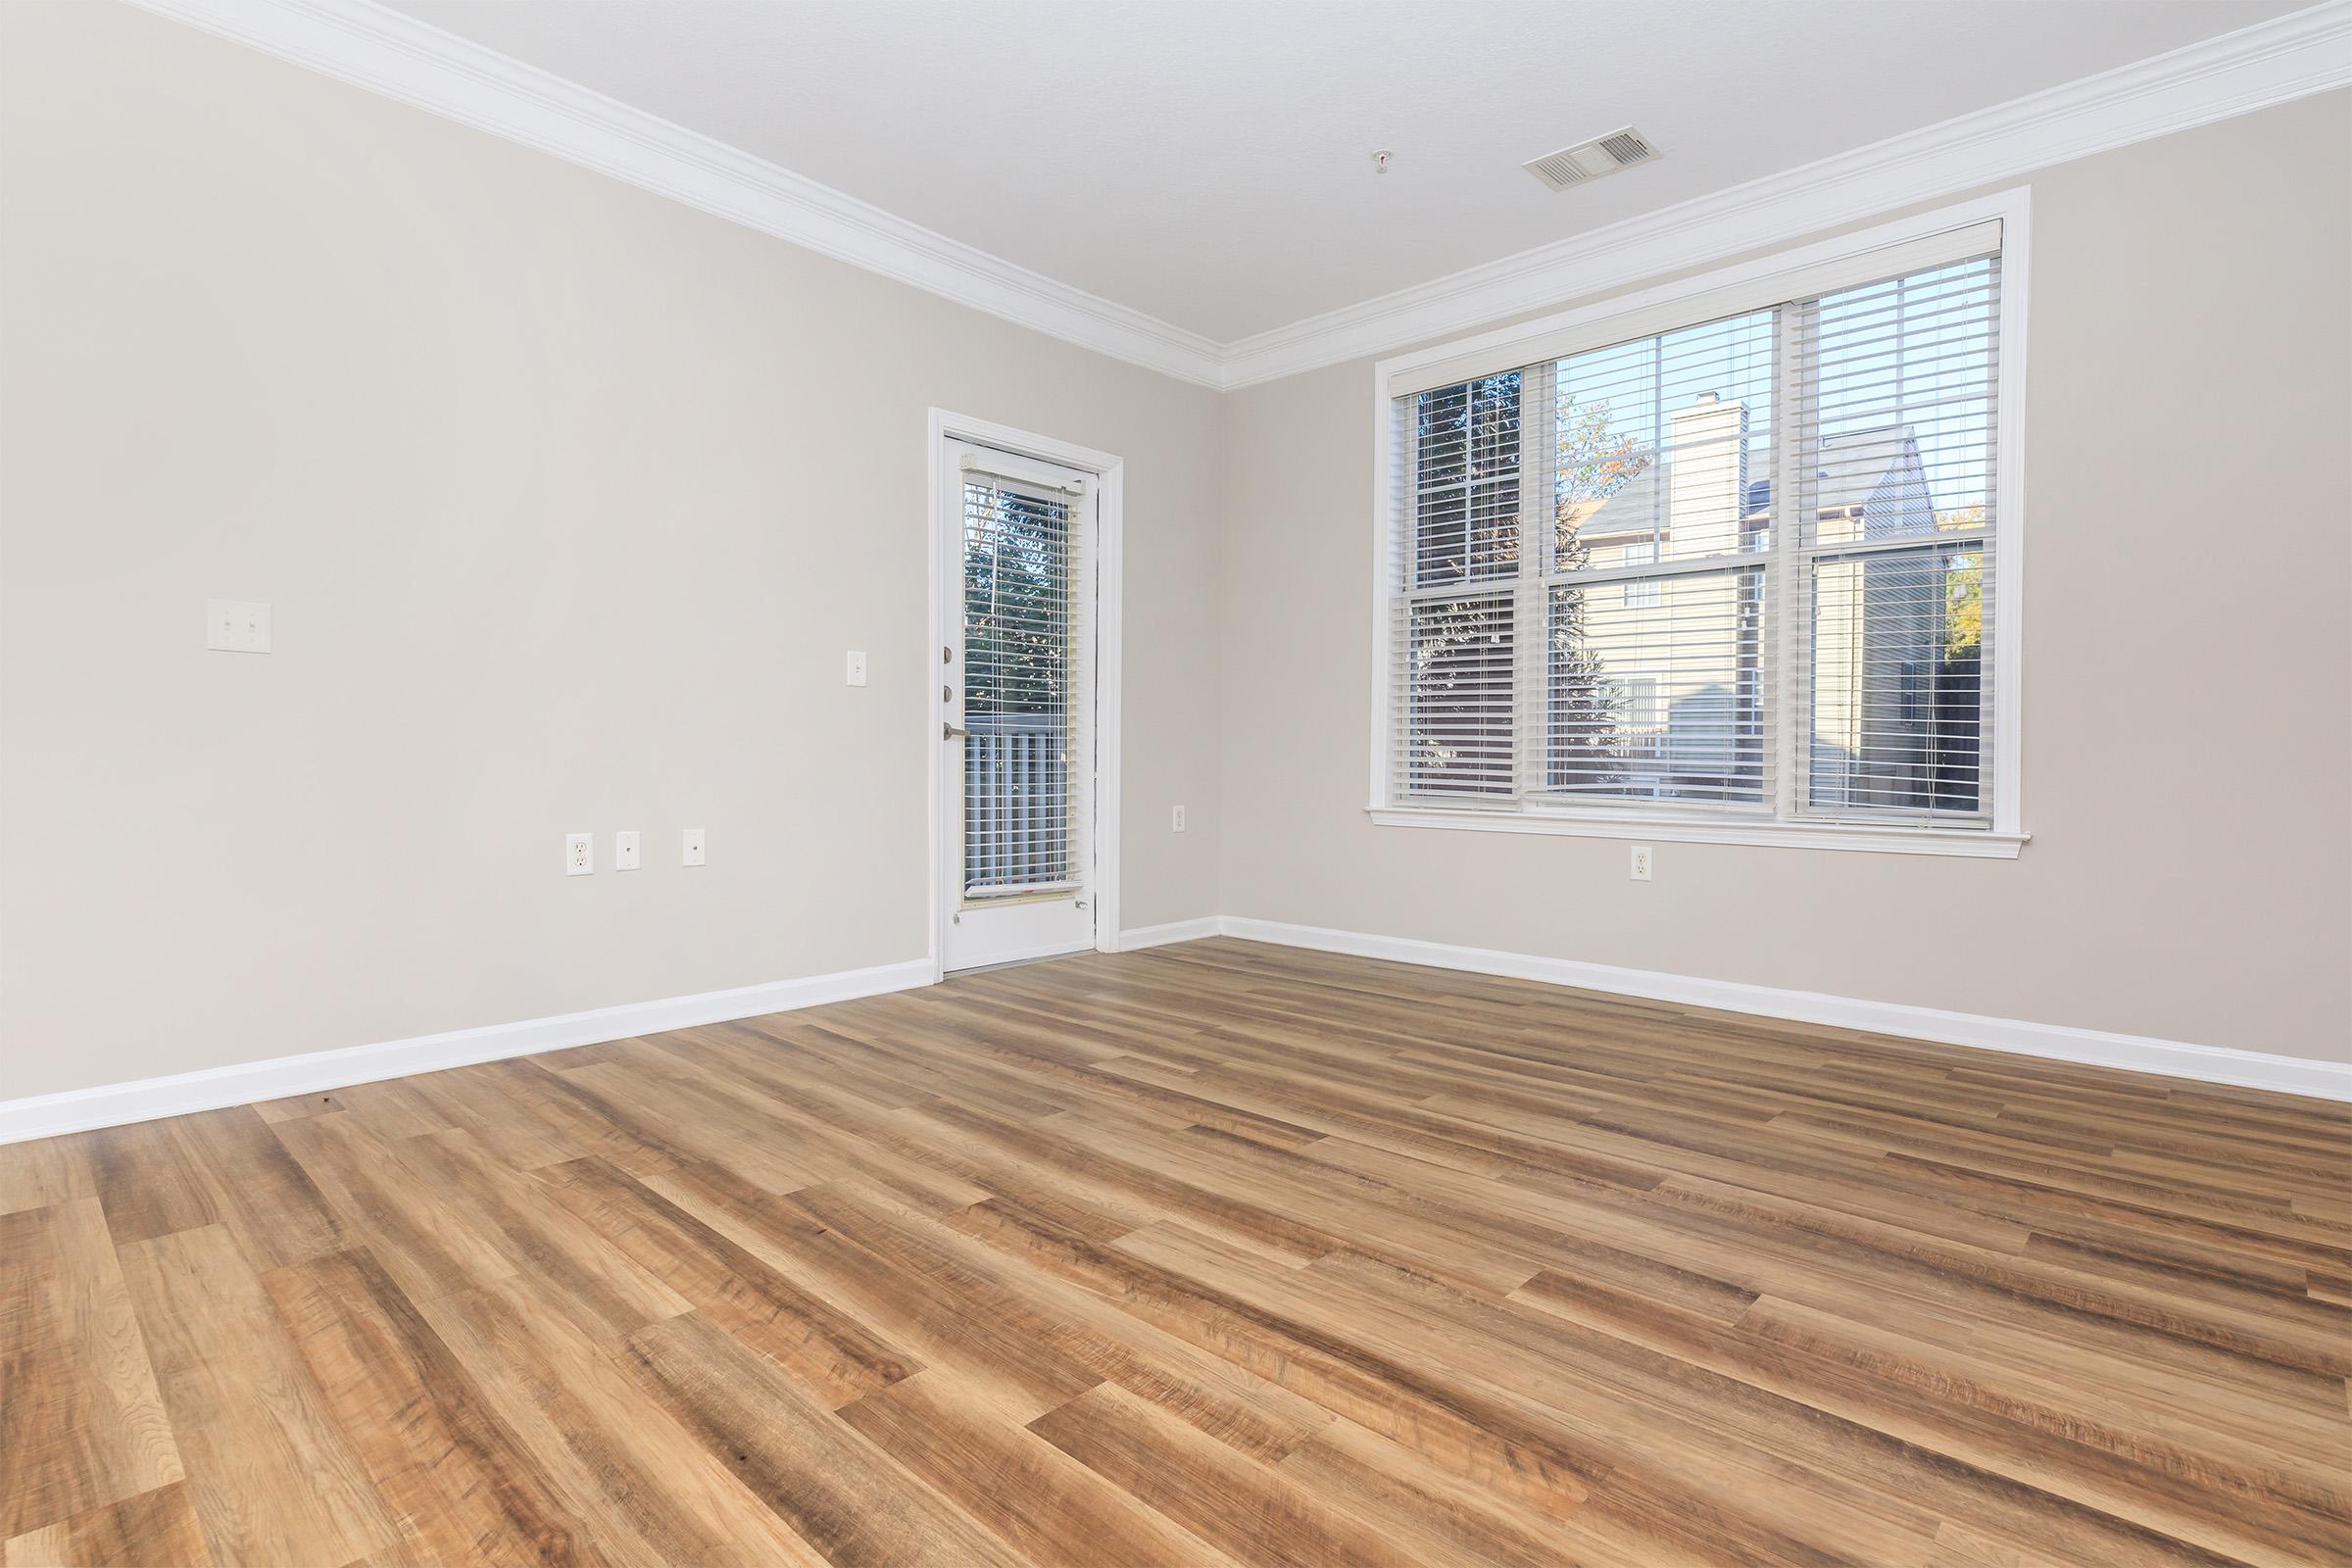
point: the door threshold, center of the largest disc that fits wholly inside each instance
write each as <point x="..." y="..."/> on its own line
<point x="1013" y="963"/>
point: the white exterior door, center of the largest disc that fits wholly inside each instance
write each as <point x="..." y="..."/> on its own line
<point x="1017" y="707"/>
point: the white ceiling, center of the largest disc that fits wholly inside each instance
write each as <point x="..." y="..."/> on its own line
<point x="1208" y="162"/>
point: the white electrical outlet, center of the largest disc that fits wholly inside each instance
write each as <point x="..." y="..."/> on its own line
<point x="1641" y="863"/>
<point x="694" y="847"/>
<point x="236" y="626"/>
<point x="857" y="669"/>
<point x="579" y="853"/>
<point x="624" y="851"/>
<point x="1179" y="823"/>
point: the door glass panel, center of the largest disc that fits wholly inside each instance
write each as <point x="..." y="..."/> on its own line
<point x="1016" y="650"/>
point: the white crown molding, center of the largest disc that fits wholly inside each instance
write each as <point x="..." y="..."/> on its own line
<point x="313" y="1072"/>
<point x="414" y="62"/>
<point x="2270" y="63"/>
<point x="2172" y="1058"/>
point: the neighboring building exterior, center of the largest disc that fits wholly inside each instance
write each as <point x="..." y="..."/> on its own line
<point x="1684" y="656"/>
<point x="1684" y="653"/>
<point x="1880" y="675"/>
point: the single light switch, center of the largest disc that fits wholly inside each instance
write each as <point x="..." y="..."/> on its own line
<point x="236" y="626"/>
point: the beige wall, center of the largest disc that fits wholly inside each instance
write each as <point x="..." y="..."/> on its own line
<point x="568" y="500"/>
<point x="2188" y="732"/>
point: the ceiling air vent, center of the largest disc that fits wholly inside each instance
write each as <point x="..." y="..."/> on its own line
<point x="1590" y="160"/>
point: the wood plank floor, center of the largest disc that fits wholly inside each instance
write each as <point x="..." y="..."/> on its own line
<point x="1213" y="1255"/>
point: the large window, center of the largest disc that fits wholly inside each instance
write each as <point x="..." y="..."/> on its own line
<point x="1735" y="572"/>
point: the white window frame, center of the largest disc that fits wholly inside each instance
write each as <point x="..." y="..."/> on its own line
<point x="1878" y="251"/>
<point x="1639" y="592"/>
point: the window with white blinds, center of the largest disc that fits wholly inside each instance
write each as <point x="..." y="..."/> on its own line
<point x="1735" y="569"/>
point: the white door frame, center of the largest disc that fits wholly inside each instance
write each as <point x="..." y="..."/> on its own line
<point x="1109" y="472"/>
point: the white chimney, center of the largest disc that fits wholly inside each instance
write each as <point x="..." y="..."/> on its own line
<point x="1706" y="480"/>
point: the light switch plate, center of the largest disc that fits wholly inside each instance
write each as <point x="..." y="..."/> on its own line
<point x="694" y="847"/>
<point x="236" y="626"/>
<point x="624" y="851"/>
<point x="579" y="853"/>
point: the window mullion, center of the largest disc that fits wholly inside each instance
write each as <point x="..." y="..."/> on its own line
<point x="1530" y="613"/>
<point x="1788" y="600"/>
<point x="1404" y="568"/>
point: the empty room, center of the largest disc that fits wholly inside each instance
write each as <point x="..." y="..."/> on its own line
<point x="1260" y="783"/>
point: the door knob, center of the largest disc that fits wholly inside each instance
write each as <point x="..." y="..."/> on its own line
<point x="949" y="732"/>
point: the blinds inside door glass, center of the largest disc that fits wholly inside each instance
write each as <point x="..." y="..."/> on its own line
<point x="1896" y="544"/>
<point x="1742" y="564"/>
<point x="1016" y="648"/>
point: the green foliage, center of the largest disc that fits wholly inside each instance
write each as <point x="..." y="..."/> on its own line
<point x="1016" y="584"/>
<point x="1462" y="721"/>
<point x="1963" y="590"/>
<point x="1592" y="467"/>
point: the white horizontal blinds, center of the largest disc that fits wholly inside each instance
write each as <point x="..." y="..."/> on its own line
<point x="1659" y="697"/>
<point x="1742" y="565"/>
<point x="1454" y="633"/>
<point x="1466" y="489"/>
<point x="1657" y="680"/>
<point x="1017" y="584"/>
<point x="1895" y="542"/>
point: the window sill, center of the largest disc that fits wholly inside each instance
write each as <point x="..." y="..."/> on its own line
<point x="1671" y="828"/>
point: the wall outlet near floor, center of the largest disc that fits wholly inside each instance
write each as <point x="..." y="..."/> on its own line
<point x="856" y="668"/>
<point x="236" y="626"/>
<point x="625" y="852"/>
<point x="1178" y="826"/>
<point x="579" y="853"/>
<point x="694" y="847"/>
<point x="1641" y="863"/>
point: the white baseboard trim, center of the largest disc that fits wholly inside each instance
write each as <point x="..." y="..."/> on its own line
<point x="1157" y="936"/>
<point x="2173" y="1059"/>
<point x="115" y="1105"/>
